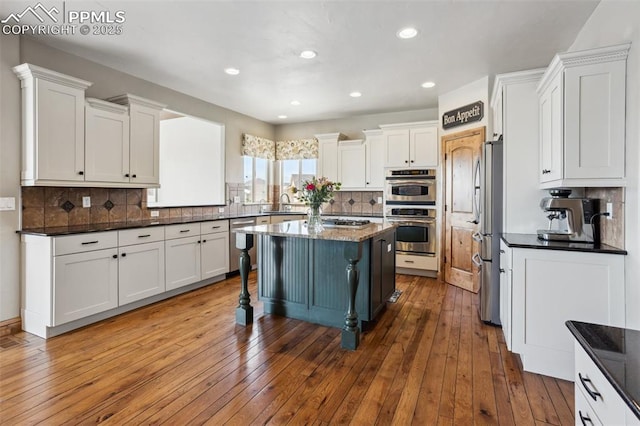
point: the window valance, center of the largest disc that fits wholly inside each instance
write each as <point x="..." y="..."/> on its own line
<point x="295" y="149"/>
<point x="255" y="146"/>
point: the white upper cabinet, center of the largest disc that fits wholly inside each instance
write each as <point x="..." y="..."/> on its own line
<point x="106" y="141"/>
<point x="582" y="118"/>
<point x="352" y="164"/>
<point x="411" y="144"/>
<point x="53" y="126"/>
<point x="144" y="139"/>
<point x="328" y="155"/>
<point x="375" y="159"/>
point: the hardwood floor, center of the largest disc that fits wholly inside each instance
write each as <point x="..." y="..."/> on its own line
<point x="428" y="361"/>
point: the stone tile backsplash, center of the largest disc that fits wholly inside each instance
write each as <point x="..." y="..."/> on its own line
<point x="62" y="206"/>
<point x="611" y="230"/>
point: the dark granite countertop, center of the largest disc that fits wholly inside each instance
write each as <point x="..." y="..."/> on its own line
<point x="101" y="227"/>
<point x="531" y="241"/>
<point x="616" y="353"/>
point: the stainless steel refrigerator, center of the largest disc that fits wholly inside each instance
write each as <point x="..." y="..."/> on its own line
<point x="489" y="182"/>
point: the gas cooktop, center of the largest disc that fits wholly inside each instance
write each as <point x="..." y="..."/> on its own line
<point x="345" y="223"/>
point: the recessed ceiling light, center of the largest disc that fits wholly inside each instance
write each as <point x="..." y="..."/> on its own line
<point x="282" y="116"/>
<point x="355" y="94"/>
<point x="308" y="54"/>
<point x="428" y="84"/>
<point x="295" y="103"/>
<point x="232" y="71"/>
<point x="408" y="32"/>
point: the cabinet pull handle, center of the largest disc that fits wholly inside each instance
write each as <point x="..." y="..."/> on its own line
<point x="592" y="393"/>
<point x="502" y="271"/>
<point x="144" y="236"/>
<point x="584" y="419"/>
<point x="81" y="173"/>
<point x="115" y="256"/>
<point x="502" y="251"/>
<point x="185" y="230"/>
<point x="86" y="243"/>
<point x="126" y="175"/>
<point x="124" y="254"/>
<point x="215" y="227"/>
<point x="545" y="171"/>
<point x="409" y="261"/>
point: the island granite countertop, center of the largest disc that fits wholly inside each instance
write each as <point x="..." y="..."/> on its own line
<point x="298" y="229"/>
<point x="53" y="231"/>
<point x="616" y="353"/>
<point x="531" y="241"/>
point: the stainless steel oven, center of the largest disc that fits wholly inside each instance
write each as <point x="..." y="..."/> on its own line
<point x="416" y="229"/>
<point x="411" y="187"/>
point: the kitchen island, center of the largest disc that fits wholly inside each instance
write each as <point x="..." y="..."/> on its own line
<point x="317" y="277"/>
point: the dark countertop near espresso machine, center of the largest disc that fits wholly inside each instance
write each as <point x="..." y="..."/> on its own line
<point x="531" y="241"/>
<point x="616" y="353"/>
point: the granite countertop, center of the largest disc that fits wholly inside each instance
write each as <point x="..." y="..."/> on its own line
<point x="616" y="353"/>
<point x="298" y="229"/>
<point x="531" y="241"/>
<point x="101" y="227"/>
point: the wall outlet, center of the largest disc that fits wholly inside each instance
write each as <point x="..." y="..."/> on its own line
<point x="379" y="200"/>
<point x="610" y="210"/>
<point x="236" y="199"/>
<point x="7" y="203"/>
<point x="220" y="209"/>
<point x="155" y="213"/>
<point x="86" y="202"/>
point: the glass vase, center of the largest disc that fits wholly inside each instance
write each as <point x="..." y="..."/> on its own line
<point x="314" y="220"/>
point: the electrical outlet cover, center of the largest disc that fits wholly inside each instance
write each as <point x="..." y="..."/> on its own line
<point x="86" y="202"/>
<point x="155" y="213"/>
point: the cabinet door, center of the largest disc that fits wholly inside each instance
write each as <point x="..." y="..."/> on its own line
<point x="328" y="159"/>
<point x="84" y="284"/>
<point x="107" y="146"/>
<point x="551" y="132"/>
<point x="505" y="292"/>
<point x="594" y="121"/>
<point x="141" y="271"/>
<point x="145" y="144"/>
<point x="352" y="170"/>
<point x="423" y="147"/>
<point x="396" y="148"/>
<point x="60" y="132"/>
<point x="182" y="261"/>
<point x="375" y="162"/>
<point x="215" y="254"/>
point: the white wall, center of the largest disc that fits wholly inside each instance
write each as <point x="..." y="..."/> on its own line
<point x="9" y="178"/>
<point x="475" y="91"/>
<point x="615" y="22"/>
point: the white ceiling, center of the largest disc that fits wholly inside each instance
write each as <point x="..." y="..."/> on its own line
<point x="185" y="45"/>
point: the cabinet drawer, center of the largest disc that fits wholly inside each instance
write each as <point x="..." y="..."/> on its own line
<point x="84" y="242"/>
<point x="605" y="402"/>
<point x="429" y="263"/>
<point x="585" y="415"/>
<point x="182" y="230"/>
<point x="214" y="227"/>
<point x="151" y="234"/>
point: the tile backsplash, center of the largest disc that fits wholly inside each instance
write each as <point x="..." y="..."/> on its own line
<point x="611" y="230"/>
<point x="62" y="206"/>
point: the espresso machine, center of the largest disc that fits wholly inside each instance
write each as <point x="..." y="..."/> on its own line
<point x="570" y="219"/>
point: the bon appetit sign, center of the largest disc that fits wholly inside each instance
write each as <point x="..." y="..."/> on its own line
<point x="463" y="115"/>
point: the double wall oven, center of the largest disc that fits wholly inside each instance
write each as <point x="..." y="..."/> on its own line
<point x="410" y="198"/>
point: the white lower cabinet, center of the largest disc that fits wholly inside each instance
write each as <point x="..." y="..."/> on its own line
<point x="84" y="284"/>
<point x="141" y="271"/>
<point x="506" y="293"/>
<point x="214" y="252"/>
<point x="550" y="287"/>
<point x="182" y="261"/>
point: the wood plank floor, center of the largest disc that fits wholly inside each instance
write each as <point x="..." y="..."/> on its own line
<point x="428" y="361"/>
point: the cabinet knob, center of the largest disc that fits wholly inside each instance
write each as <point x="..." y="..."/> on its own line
<point x="124" y="254"/>
<point x="204" y="241"/>
<point x="502" y="251"/>
<point x="115" y="256"/>
<point x="81" y="173"/>
<point x="134" y="176"/>
<point x="412" y="161"/>
<point x="199" y="241"/>
<point x="126" y="175"/>
<point x="501" y="271"/>
<point x="405" y="161"/>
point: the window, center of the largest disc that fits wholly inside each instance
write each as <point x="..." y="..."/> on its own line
<point x="256" y="179"/>
<point x="294" y="172"/>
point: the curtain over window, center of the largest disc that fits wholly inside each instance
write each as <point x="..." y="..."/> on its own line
<point x="257" y="147"/>
<point x="298" y="149"/>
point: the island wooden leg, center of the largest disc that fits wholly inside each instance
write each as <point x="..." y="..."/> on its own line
<point x="244" y="311"/>
<point x="351" y="332"/>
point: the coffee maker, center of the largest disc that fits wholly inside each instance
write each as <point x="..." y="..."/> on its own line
<point x="570" y="219"/>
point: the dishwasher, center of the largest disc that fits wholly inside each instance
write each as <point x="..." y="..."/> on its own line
<point x="234" y="253"/>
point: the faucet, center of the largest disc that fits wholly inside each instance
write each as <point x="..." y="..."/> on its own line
<point x="285" y="206"/>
